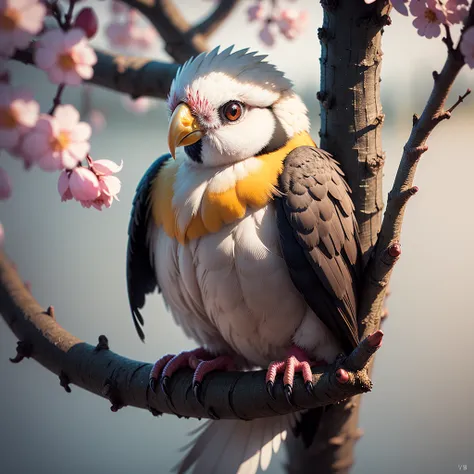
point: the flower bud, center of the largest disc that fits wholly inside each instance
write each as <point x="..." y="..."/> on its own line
<point x="87" y="21"/>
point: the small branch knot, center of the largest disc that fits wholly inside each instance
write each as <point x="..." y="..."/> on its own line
<point x="111" y="392"/>
<point x="64" y="381"/>
<point x="103" y="344"/>
<point x="50" y="312"/>
<point x="415" y="153"/>
<point x="323" y="35"/>
<point x="23" y="349"/>
<point x="415" y="119"/>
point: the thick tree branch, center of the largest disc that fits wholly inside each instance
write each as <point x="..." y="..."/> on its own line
<point x="351" y="129"/>
<point x="125" y="382"/>
<point x="131" y="75"/>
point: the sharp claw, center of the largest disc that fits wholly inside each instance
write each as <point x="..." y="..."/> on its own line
<point x="152" y="383"/>
<point x="288" y="392"/>
<point x="309" y="387"/>
<point x="165" y="385"/>
<point x="270" y="390"/>
<point x="197" y="392"/>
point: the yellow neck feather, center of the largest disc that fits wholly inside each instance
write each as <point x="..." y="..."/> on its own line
<point x="219" y="209"/>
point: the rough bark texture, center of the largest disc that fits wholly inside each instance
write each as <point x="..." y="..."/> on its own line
<point x="351" y="129"/>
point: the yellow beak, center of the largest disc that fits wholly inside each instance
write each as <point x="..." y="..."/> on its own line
<point x="183" y="129"/>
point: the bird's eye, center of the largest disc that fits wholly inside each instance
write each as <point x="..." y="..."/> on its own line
<point x="232" y="111"/>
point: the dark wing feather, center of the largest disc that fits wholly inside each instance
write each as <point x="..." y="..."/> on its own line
<point x="141" y="279"/>
<point x="319" y="239"/>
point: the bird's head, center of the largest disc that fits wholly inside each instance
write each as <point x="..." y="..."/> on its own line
<point x="228" y="106"/>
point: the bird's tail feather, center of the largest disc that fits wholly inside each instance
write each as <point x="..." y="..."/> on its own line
<point x="236" y="446"/>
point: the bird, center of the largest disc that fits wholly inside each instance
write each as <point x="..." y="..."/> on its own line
<point x="248" y="231"/>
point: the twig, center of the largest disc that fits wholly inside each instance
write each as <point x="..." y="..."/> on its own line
<point x="127" y="380"/>
<point x="57" y="99"/>
<point x="460" y="99"/>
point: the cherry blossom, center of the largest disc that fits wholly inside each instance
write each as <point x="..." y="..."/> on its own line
<point x="120" y="34"/>
<point x="429" y="16"/>
<point x="399" y="5"/>
<point x="5" y="185"/>
<point x="109" y="185"/>
<point x="18" y="114"/>
<point x="456" y="10"/>
<point x="97" y="120"/>
<point x="266" y="35"/>
<point x="292" y="22"/>
<point x="117" y="8"/>
<point x="467" y="46"/>
<point x="20" y="21"/>
<point x="58" y="141"/>
<point x="255" y="12"/>
<point x="137" y="106"/>
<point x="87" y="21"/>
<point x="65" y="56"/>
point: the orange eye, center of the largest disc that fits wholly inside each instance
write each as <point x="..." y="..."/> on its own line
<point x="232" y="111"/>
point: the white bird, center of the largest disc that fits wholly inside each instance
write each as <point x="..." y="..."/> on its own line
<point x="248" y="231"/>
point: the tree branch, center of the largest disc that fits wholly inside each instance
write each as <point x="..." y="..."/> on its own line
<point x="388" y="247"/>
<point x="131" y="75"/>
<point x="125" y="382"/>
<point x="172" y="27"/>
<point x="210" y="24"/>
<point x="351" y="129"/>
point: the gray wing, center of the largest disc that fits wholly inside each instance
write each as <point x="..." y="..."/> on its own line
<point x="319" y="239"/>
<point x="141" y="279"/>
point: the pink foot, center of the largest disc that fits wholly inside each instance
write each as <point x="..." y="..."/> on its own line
<point x="297" y="361"/>
<point x="198" y="359"/>
<point x="205" y="366"/>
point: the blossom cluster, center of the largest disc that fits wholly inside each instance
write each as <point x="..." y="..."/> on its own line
<point x="289" y="22"/>
<point x="57" y="140"/>
<point x="431" y="15"/>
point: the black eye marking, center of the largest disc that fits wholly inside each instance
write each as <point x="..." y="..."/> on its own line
<point x="232" y="111"/>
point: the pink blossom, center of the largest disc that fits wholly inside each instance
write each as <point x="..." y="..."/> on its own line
<point x="63" y="186"/>
<point x="292" y="22"/>
<point x="266" y="35"/>
<point x="467" y="46"/>
<point x="5" y="185"/>
<point x="143" y="38"/>
<point x="255" y="12"/>
<point x="97" y="120"/>
<point x="87" y="21"/>
<point x="58" y="142"/>
<point x="429" y="16"/>
<point x="118" y="8"/>
<point x="109" y="185"/>
<point x="137" y="106"/>
<point x="18" y="114"/>
<point x="20" y="21"/>
<point x="120" y="34"/>
<point x="399" y="5"/>
<point x="65" y="56"/>
<point x="456" y="10"/>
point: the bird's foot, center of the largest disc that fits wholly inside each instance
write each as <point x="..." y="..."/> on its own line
<point x="198" y="359"/>
<point x="225" y="363"/>
<point x="297" y="361"/>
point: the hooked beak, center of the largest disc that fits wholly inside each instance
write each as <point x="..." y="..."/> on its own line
<point x="183" y="129"/>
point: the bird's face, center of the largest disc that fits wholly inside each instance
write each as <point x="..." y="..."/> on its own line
<point x="228" y="107"/>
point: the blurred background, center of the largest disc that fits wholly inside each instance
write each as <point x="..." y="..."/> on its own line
<point x="419" y="417"/>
